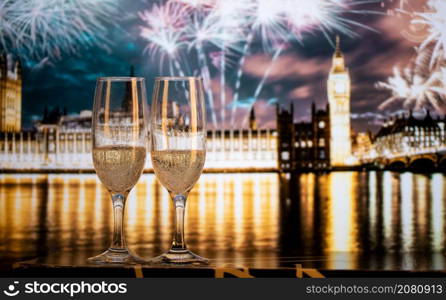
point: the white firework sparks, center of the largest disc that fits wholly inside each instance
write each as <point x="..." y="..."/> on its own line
<point x="269" y="21"/>
<point x="411" y="89"/>
<point x="221" y="26"/>
<point x="196" y="4"/>
<point x="443" y="78"/>
<point x="6" y="26"/>
<point x="416" y="87"/>
<point x="435" y="19"/>
<point x="441" y="88"/>
<point x="36" y="29"/>
<point x="423" y="85"/>
<point x="208" y="29"/>
<point x="204" y="29"/>
<point x="232" y="14"/>
<point x="164" y="28"/>
<point x="233" y="17"/>
<point x="325" y="16"/>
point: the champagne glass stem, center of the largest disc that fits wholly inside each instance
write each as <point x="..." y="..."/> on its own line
<point x="118" y="242"/>
<point x="178" y="243"/>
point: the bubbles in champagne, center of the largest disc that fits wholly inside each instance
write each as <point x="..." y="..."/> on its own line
<point x="119" y="167"/>
<point x="178" y="170"/>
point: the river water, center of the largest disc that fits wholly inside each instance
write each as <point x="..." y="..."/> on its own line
<point x="355" y="219"/>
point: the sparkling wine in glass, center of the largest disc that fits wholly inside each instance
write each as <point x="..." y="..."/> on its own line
<point x="178" y="151"/>
<point x="119" y="150"/>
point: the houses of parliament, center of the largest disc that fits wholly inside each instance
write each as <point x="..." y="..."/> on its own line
<point x="10" y="94"/>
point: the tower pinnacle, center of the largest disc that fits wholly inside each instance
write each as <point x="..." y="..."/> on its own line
<point x="337" y="44"/>
<point x="338" y="58"/>
<point x="252" y="119"/>
<point x="338" y="52"/>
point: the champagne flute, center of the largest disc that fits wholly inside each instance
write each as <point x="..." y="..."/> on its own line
<point x="119" y="150"/>
<point x="178" y="151"/>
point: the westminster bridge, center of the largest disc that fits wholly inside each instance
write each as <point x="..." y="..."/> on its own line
<point x="421" y="159"/>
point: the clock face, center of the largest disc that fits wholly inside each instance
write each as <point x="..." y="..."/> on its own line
<point x="340" y="87"/>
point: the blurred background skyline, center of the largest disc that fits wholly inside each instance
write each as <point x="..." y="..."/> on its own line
<point x="286" y="60"/>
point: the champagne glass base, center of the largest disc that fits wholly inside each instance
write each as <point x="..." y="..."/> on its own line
<point x="178" y="257"/>
<point x="115" y="256"/>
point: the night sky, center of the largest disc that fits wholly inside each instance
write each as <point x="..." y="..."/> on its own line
<point x="298" y="76"/>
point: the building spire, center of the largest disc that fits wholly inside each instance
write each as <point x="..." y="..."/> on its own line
<point x="338" y="58"/>
<point x="338" y="52"/>
<point x="18" y="67"/>
<point x="252" y="119"/>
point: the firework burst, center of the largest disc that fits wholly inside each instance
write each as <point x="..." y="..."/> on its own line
<point x="35" y="29"/>
<point x="207" y="29"/>
<point x="435" y="19"/>
<point x="423" y="83"/>
<point x="416" y="87"/>
<point x="226" y="27"/>
<point x="164" y="31"/>
<point x="232" y="17"/>
<point x="6" y="27"/>
<point x="268" y="20"/>
<point x="326" y="16"/>
<point x="413" y="90"/>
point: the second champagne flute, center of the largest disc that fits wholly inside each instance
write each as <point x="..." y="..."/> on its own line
<point x="119" y="150"/>
<point x="178" y="150"/>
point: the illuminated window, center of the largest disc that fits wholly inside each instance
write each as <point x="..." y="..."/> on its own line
<point x="321" y="124"/>
<point x="285" y="155"/>
<point x="310" y="144"/>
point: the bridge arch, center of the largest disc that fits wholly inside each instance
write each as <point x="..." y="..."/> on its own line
<point x="425" y="163"/>
<point x="397" y="164"/>
<point x="431" y="156"/>
<point x="442" y="163"/>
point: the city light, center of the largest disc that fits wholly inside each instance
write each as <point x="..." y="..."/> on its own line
<point x="56" y="149"/>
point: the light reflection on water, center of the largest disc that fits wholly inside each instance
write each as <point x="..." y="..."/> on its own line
<point x="351" y="219"/>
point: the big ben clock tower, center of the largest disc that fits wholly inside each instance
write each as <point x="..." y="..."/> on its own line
<point x="339" y="100"/>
